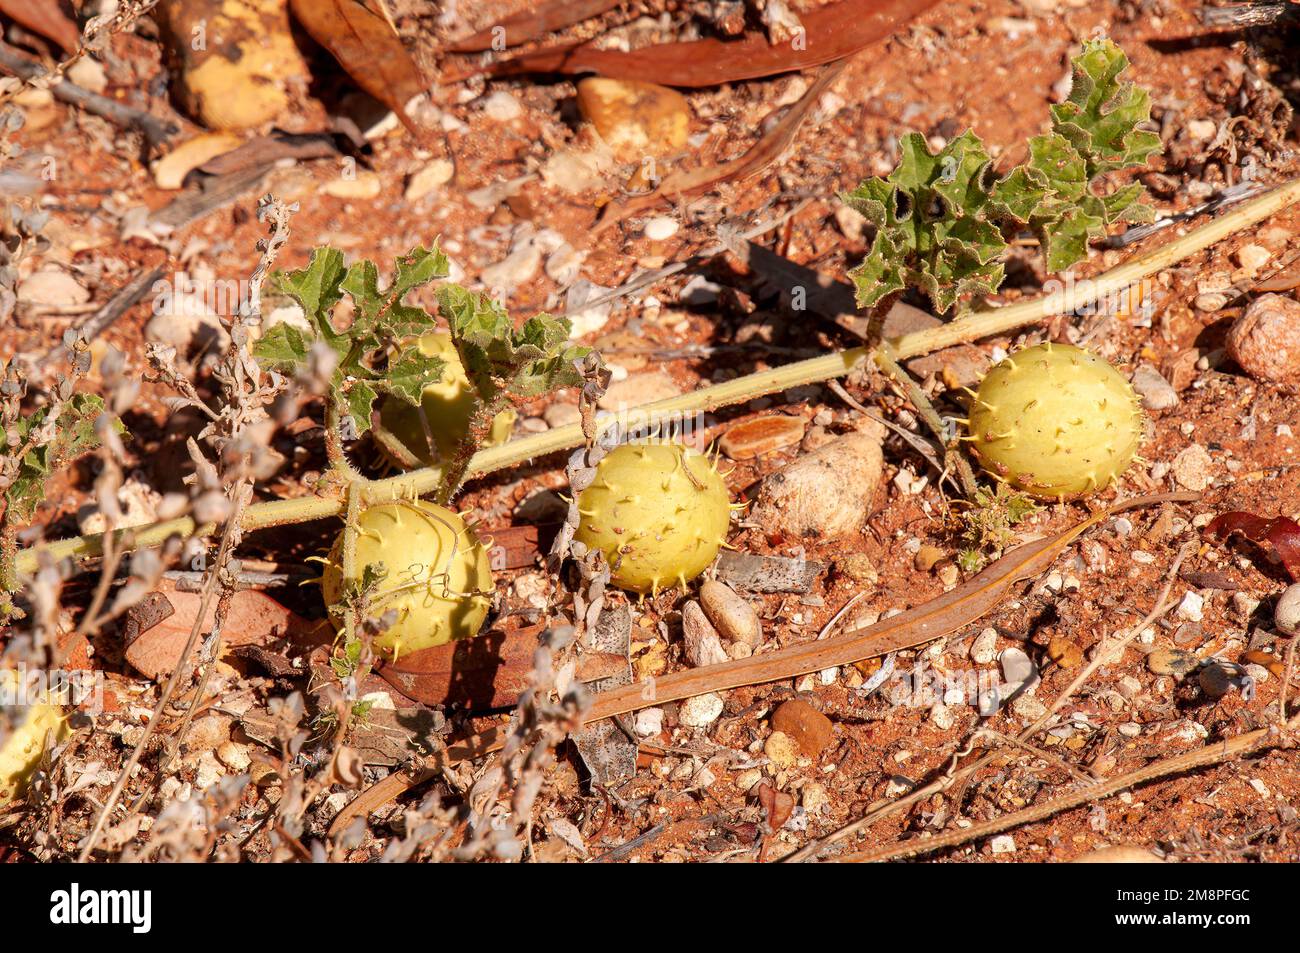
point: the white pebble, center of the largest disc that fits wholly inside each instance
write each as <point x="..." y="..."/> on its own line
<point x="660" y="228"/>
<point x="1192" y="607"/>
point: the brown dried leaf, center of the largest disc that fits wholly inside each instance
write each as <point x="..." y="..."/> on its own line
<point x="530" y="24"/>
<point x="361" y="36"/>
<point x="156" y="639"/>
<point x="832" y="33"/>
<point x="1282" y="533"/>
<point x="44" y="17"/>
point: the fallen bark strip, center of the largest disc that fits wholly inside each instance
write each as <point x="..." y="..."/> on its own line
<point x="530" y="24"/>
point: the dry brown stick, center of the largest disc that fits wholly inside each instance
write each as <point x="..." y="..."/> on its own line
<point x="224" y="552"/>
<point x="890" y="808"/>
<point x="114" y="308"/>
<point x="156" y="131"/>
<point x="1273" y="736"/>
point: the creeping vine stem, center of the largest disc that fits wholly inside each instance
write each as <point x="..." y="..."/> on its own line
<point x="967" y="328"/>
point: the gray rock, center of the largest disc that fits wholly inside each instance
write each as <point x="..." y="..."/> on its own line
<point x="699" y="638"/>
<point x="731" y="614"/>
<point x="1286" y="614"/>
<point x="824" y="494"/>
<point x="1156" y="392"/>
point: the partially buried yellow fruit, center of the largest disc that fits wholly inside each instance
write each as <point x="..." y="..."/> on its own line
<point x="22" y="749"/>
<point x="658" y="511"/>
<point x="1055" y="421"/>
<point x="447" y="404"/>
<point x="436" y="575"/>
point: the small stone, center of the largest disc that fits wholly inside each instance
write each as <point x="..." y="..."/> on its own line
<point x="753" y="438"/>
<point x="824" y="494"/>
<point x="1130" y="687"/>
<point x="1244" y="605"/>
<point x="638" y="389"/>
<point x="701" y="710"/>
<point x="660" y="228"/>
<point x="635" y="119"/>
<point x="209" y="771"/>
<point x="427" y="178"/>
<point x="234" y="756"/>
<point x="1176" y="662"/>
<point x="949" y="575"/>
<point x="1252" y="258"/>
<point x="852" y="223"/>
<point x="746" y="779"/>
<point x="88" y="73"/>
<point x="501" y="107"/>
<point x="1130" y="729"/>
<point x="859" y="568"/>
<point x="649" y="722"/>
<point x="1191" y="468"/>
<point x="731" y="614"/>
<point x="366" y="185"/>
<point x="517" y="268"/>
<point x="1286" y="613"/>
<point x="52" y="288"/>
<point x="1003" y="844"/>
<point x="942" y="717"/>
<point x="813" y="797"/>
<point x="1065" y="653"/>
<point x="1017" y="667"/>
<point x="1119" y="854"/>
<point x="926" y="557"/>
<point x="810" y="730"/>
<point x="1155" y="391"/>
<point x="1265" y="340"/>
<point x="985" y="647"/>
<point x="699" y="639"/>
<point x="137" y="506"/>
<point x="1192" y="607"/>
<point x="1215" y="680"/>
<point x="781" y="750"/>
<point x="1201" y="129"/>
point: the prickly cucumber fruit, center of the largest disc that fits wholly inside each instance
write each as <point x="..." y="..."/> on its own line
<point x="21" y="750"/>
<point x="658" y="511"/>
<point x="1055" y="421"/>
<point x="447" y="403"/>
<point x="436" y="575"/>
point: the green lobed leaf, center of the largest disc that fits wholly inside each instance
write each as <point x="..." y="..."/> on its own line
<point x="73" y="436"/>
<point x="410" y="373"/>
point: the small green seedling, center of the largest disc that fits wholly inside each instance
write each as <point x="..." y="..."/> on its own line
<point x="421" y="561"/>
<point x="1054" y="421"/>
<point x="448" y="404"/>
<point x="658" y="511"/>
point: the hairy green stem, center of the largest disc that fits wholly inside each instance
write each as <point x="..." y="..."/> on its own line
<point x="968" y="328"/>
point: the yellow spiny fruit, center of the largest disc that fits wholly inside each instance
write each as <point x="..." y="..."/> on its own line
<point x="437" y="575"/>
<point x="658" y="511"/>
<point x="447" y="403"/>
<point x="1055" y="421"/>
<point x="21" y="751"/>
